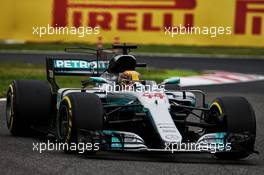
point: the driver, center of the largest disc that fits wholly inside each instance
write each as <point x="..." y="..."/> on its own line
<point x="128" y="78"/>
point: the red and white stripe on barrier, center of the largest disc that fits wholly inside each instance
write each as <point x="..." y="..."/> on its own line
<point x="219" y="77"/>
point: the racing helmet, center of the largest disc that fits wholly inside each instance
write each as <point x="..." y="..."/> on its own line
<point x="128" y="78"/>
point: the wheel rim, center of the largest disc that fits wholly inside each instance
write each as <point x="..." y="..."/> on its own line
<point x="9" y="109"/>
<point x="216" y="117"/>
<point x="63" y="122"/>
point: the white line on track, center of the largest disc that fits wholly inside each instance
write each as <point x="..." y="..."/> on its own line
<point x="2" y="99"/>
<point x="219" y="77"/>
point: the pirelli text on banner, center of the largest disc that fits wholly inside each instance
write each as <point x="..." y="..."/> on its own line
<point x="212" y="22"/>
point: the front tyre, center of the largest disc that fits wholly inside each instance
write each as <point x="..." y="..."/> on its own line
<point x="235" y="116"/>
<point x="78" y="111"/>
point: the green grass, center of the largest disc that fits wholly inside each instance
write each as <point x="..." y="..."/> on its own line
<point x="9" y="72"/>
<point x="145" y="48"/>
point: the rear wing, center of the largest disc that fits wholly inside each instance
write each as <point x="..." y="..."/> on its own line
<point x="73" y="67"/>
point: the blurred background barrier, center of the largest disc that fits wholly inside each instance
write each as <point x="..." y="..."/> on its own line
<point x="215" y="22"/>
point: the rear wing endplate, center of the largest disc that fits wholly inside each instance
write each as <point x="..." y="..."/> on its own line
<point x="73" y="67"/>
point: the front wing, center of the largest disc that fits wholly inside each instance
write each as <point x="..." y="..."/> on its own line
<point x="110" y="140"/>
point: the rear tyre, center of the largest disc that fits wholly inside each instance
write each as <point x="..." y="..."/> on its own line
<point x="78" y="111"/>
<point x="28" y="102"/>
<point x="235" y="116"/>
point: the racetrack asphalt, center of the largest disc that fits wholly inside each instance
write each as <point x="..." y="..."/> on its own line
<point x="17" y="155"/>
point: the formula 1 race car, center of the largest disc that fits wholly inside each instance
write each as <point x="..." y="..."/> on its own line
<point x="122" y="112"/>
